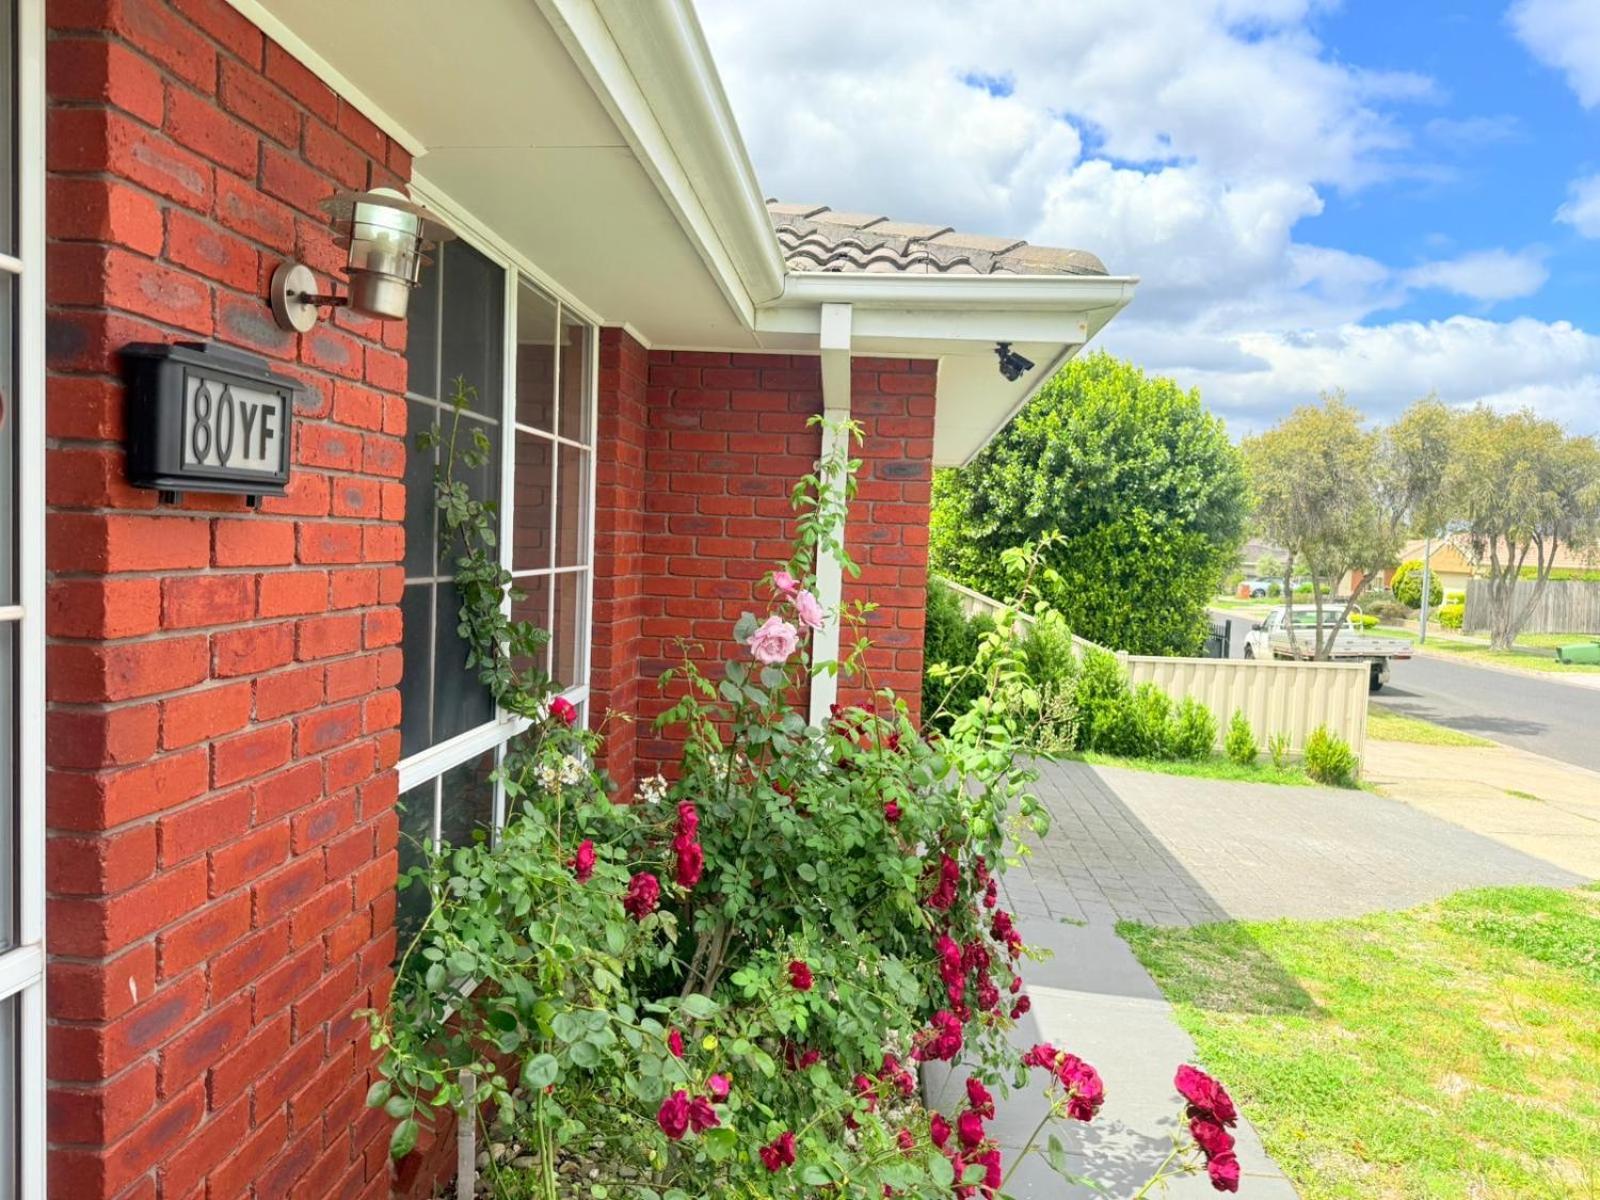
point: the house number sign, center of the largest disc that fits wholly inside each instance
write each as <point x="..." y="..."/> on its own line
<point x="207" y="418"/>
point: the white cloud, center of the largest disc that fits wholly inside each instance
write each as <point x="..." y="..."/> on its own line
<point x="1484" y="275"/>
<point x="1564" y="34"/>
<point x="1183" y="141"/>
<point x="1582" y="209"/>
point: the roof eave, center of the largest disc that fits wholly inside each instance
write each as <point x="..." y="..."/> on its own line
<point x="651" y="68"/>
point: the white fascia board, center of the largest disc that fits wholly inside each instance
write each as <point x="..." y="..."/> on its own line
<point x="1040" y="293"/>
<point x="650" y="67"/>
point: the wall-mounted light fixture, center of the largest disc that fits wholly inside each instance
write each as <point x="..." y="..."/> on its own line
<point x="387" y="235"/>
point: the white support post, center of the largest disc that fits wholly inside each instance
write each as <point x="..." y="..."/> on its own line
<point x="834" y="339"/>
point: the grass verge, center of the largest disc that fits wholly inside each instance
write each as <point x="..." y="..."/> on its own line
<point x="1386" y="725"/>
<point x="1449" y="1052"/>
<point x="1215" y="767"/>
<point x="1525" y="660"/>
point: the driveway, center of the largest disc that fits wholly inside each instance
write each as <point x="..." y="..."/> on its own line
<point x="1170" y="850"/>
<point x="1545" y="716"/>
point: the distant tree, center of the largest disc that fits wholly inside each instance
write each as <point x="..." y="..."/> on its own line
<point x="1342" y="498"/>
<point x="1524" y="489"/>
<point x="1269" y="566"/>
<point x="1141" y="481"/>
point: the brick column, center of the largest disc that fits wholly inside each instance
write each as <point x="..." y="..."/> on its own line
<point x="222" y="716"/>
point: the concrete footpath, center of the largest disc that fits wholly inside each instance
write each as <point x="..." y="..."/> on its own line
<point x="1094" y="999"/>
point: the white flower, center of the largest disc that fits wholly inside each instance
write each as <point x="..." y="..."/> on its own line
<point x="572" y="771"/>
<point x="546" y="775"/>
<point x="653" y="790"/>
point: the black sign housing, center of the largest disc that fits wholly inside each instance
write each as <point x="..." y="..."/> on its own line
<point x="207" y="418"/>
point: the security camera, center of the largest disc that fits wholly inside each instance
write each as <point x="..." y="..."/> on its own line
<point x="1012" y="364"/>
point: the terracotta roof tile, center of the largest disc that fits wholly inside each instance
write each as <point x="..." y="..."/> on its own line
<point x="815" y="238"/>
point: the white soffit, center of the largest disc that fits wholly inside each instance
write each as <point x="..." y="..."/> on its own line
<point x="506" y="125"/>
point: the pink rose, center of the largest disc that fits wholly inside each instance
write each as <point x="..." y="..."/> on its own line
<point x="719" y="1086"/>
<point x="808" y="610"/>
<point x="785" y="582"/>
<point x="774" y="641"/>
<point x="701" y="1115"/>
<point x="563" y="710"/>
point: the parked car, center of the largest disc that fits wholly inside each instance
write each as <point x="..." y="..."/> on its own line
<point x="1270" y="639"/>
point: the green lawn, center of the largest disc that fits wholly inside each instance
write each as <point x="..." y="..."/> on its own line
<point x="1215" y="767"/>
<point x="1386" y="725"/>
<point x="1528" y="660"/>
<point x="1450" y="1052"/>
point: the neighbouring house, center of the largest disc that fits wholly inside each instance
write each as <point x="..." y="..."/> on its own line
<point x="1455" y="564"/>
<point x="209" y="709"/>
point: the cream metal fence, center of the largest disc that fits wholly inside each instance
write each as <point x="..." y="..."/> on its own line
<point x="1291" y="698"/>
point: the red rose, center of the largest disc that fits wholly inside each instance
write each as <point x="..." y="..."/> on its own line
<point x="673" y="1116"/>
<point x="1021" y="1007"/>
<point x="779" y="1153"/>
<point x="701" y="1115"/>
<point x="980" y="1098"/>
<point x="892" y="812"/>
<point x="642" y="896"/>
<point x="583" y="861"/>
<point x="1210" y="1137"/>
<point x="688" y="819"/>
<point x="939" y="1130"/>
<point x="800" y="976"/>
<point x="907" y="1140"/>
<point x="1224" y="1172"/>
<point x="969" y="1128"/>
<point x="563" y="710"/>
<point x="675" y="1043"/>
<point x="691" y="862"/>
<point x="1205" y="1095"/>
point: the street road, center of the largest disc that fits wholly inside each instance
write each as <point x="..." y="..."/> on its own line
<point x="1559" y="720"/>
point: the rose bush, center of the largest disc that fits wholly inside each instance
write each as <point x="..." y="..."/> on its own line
<point x="724" y="987"/>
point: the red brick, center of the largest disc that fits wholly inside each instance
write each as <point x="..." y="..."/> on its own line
<point x="386" y="371"/>
<point x="380" y="712"/>
<point x="355" y="588"/>
<point x="383" y="455"/>
<point x="348" y="767"/>
<point x="251" y="856"/>
<point x="123" y="670"/>
<point x="197" y="123"/>
<point x="104" y="71"/>
<point x="288" y="791"/>
<point x="243" y="209"/>
<point x="253" y="1058"/>
<point x="319" y="913"/>
<point x="351" y="496"/>
<point x="288" y="692"/>
<point x="327" y="819"/>
<point x="227" y="26"/>
<point x="328" y="728"/>
<point x="362" y="132"/>
<point x="291" y="180"/>
<point x="293" y="593"/>
<point x="203" y="935"/>
<point x="104" y="989"/>
<point x="186" y="1058"/>
<point x="330" y="350"/>
<point x="278" y="894"/>
<point x="235" y="1176"/>
<point x="351" y="677"/>
<point x="90" y="802"/>
<point x="252" y="649"/>
<point x="105" y="1113"/>
<point x="325" y="637"/>
<point x="91" y="1172"/>
<point x="274" y="991"/>
<point x="321" y="542"/>
<point x="188" y="1165"/>
<point x="357" y="406"/>
<point x="200" y="827"/>
<point x="101" y="865"/>
<point x="247" y="755"/>
<point x="96" y="927"/>
<point x="188" y="601"/>
<point x="103" y="608"/>
<point x="115" y="543"/>
<point x="246" y="322"/>
<point x="101" y="738"/>
<point x="330" y="151"/>
<point x="80" y="407"/>
<point x="251" y="98"/>
<point x="211" y="251"/>
<point x="250" y="542"/>
<point x="335" y="996"/>
<point x="329" y="447"/>
<point x="167" y="38"/>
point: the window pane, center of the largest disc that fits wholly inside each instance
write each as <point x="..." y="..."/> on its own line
<point x="416" y="827"/>
<point x="536" y="362"/>
<point x="467" y="802"/>
<point x="422" y="334"/>
<point x="473" y="327"/>
<point x="567" y="633"/>
<point x="416" y="675"/>
<point x="575" y="379"/>
<point x="534" y="607"/>
<point x="8" y="443"/>
<point x="460" y="702"/>
<point x="420" y="510"/>
<point x="530" y="514"/>
<point x="572" y="530"/>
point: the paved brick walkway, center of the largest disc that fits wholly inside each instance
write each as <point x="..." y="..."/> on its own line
<point x="1170" y="850"/>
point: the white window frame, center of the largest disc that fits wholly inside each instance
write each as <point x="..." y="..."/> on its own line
<point x="22" y="967"/>
<point x="430" y="765"/>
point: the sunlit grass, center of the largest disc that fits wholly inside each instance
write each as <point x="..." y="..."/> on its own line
<point x="1449" y="1052"/>
<point x="1386" y="725"/>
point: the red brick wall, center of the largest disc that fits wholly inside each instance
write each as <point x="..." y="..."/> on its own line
<point x="725" y="438"/>
<point x="222" y="717"/>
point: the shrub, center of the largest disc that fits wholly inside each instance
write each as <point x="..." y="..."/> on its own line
<point x="1329" y="759"/>
<point x="1240" y="744"/>
<point x="950" y="645"/>
<point x="1278" y="747"/>
<point x="1451" y="616"/>
<point x="1389" y="611"/>
<point x="1407" y="586"/>
<point x="1192" y="732"/>
<point x="1052" y="665"/>
<point x="1135" y="724"/>
<point x="1302" y="589"/>
<point x="1274" y="589"/>
<point x="1362" y="620"/>
<point x="1455" y="597"/>
<point x="1102" y="683"/>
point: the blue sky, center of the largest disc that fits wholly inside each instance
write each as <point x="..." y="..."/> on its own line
<point x="1389" y="198"/>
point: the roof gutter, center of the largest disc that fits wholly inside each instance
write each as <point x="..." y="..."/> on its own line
<point x="650" y="66"/>
<point x="934" y="291"/>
